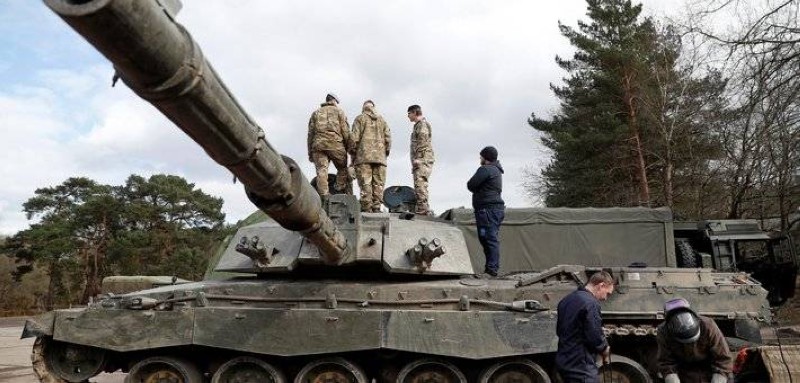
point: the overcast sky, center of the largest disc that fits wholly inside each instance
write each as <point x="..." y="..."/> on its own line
<point x="477" y="68"/>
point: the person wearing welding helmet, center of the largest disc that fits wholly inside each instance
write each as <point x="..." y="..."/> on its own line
<point x="691" y="348"/>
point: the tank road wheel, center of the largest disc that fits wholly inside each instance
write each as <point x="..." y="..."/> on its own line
<point x="246" y="369"/>
<point x="164" y="369"/>
<point x="331" y="370"/>
<point x="430" y="371"/>
<point x="57" y="362"/>
<point x="514" y="371"/>
<point x="624" y="370"/>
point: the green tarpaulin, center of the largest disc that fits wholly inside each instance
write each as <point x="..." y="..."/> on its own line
<point x="539" y="238"/>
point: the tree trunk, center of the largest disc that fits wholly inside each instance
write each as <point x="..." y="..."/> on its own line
<point x="783" y="208"/>
<point x="92" y="287"/>
<point x="668" y="170"/>
<point x="95" y="258"/>
<point x="736" y="202"/>
<point x="53" y="273"/>
<point x="641" y="169"/>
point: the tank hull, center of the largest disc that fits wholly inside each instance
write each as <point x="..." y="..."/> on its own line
<point x="382" y="325"/>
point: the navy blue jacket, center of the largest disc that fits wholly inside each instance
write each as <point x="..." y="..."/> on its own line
<point x="486" y="186"/>
<point x="580" y="336"/>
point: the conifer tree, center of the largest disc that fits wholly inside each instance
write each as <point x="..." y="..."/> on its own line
<point x="596" y="137"/>
<point x="632" y="125"/>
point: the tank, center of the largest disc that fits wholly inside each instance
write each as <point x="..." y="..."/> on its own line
<point x="322" y="292"/>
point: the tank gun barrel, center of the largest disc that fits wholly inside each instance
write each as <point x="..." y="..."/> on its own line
<point x="158" y="59"/>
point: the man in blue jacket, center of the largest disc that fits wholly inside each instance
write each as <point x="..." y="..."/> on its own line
<point x="486" y="186"/>
<point x="580" y="330"/>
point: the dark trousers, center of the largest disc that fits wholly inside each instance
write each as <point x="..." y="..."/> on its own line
<point x="488" y="222"/>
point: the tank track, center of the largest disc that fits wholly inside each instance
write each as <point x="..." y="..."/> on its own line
<point x="629" y="329"/>
<point x="39" y="364"/>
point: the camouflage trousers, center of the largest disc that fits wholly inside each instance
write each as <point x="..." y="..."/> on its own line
<point x="421" y="174"/>
<point x="371" y="179"/>
<point x="321" y="160"/>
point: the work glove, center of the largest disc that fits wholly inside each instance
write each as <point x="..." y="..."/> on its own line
<point x="673" y="378"/>
<point x="719" y="378"/>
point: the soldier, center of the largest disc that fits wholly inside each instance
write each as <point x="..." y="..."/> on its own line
<point x="328" y="139"/>
<point x="371" y="141"/>
<point x="691" y="348"/>
<point x="421" y="157"/>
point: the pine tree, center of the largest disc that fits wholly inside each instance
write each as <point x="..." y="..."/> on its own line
<point x="596" y="137"/>
<point x="162" y="225"/>
<point x="632" y="125"/>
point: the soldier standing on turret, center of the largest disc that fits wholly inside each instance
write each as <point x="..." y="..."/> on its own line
<point x="371" y="141"/>
<point x="328" y="139"/>
<point x="421" y="157"/>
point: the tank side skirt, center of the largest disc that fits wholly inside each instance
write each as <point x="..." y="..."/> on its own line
<point x="125" y="330"/>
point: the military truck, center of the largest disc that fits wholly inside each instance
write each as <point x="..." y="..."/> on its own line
<point x="728" y="245"/>
<point x="320" y="292"/>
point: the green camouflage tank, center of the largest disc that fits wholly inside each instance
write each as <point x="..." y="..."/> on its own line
<point x="322" y="292"/>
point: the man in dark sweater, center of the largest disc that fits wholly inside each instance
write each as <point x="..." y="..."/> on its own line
<point x="580" y="330"/>
<point x="486" y="186"/>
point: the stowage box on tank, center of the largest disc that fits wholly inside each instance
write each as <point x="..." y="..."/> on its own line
<point x="322" y="292"/>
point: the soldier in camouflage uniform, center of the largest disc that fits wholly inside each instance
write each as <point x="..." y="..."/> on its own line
<point x="421" y="157"/>
<point x="328" y="139"/>
<point x="371" y="141"/>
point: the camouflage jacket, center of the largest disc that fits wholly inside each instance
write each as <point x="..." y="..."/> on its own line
<point x="371" y="139"/>
<point x="421" y="146"/>
<point x="695" y="362"/>
<point x="328" y="129"/>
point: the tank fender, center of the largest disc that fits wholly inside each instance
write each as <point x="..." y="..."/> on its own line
<point x="40" y="325"/>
